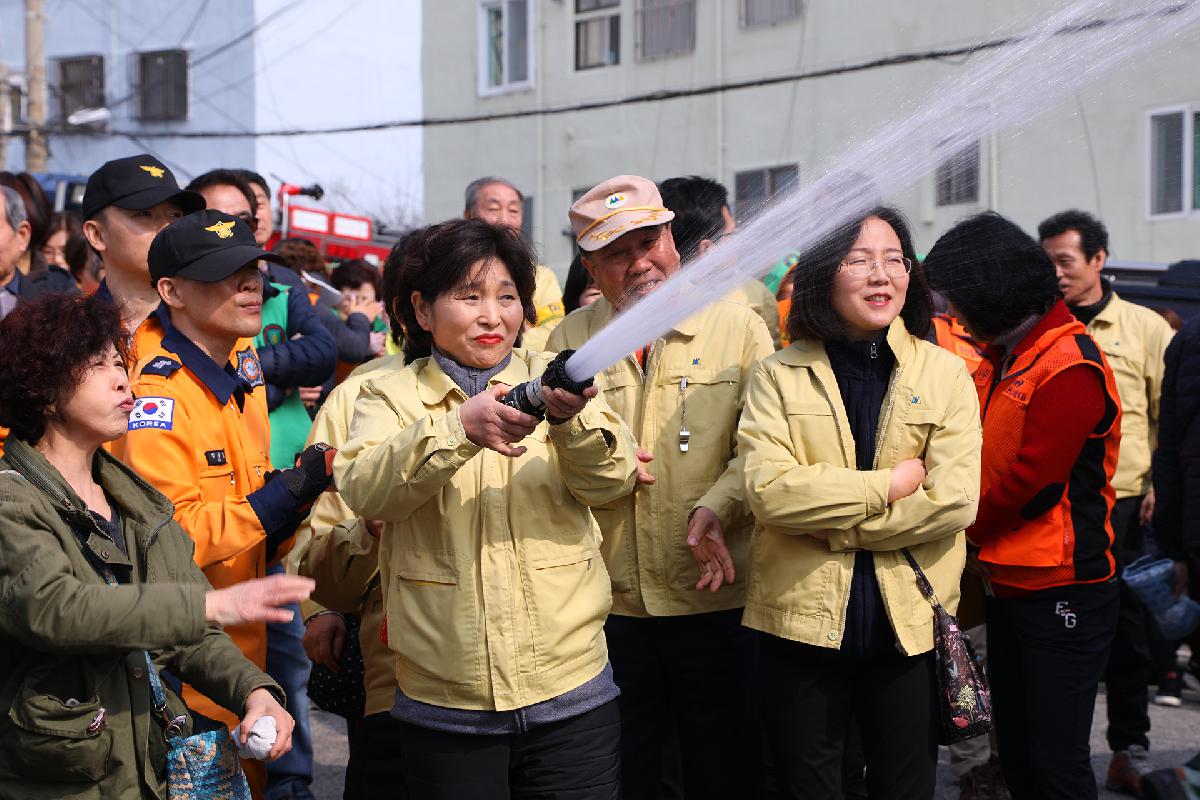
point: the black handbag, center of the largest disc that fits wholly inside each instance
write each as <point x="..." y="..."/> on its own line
<point x="342" y="692"/>
<point x="964" y="701"/>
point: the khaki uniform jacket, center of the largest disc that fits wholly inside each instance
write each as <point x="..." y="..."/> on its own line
<point x="1134" y="339"/>
<point x="65" y="634"/>
<point x="697" y="378"/>
<point x="762" y="301"/>
<point x="493" y="584"/>
<point x="801" y="479"/>
<point x="336" y="550"/>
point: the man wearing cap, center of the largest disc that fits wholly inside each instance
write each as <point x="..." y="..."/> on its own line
<point x="127" y="201"/>
<point x="498" y="202"/>
<point x="679" y="653"/>
<point x="199" y="431"/>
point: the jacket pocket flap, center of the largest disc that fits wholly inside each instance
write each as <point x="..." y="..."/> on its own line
<point x="419" y="577"/>
<point x="47" y="714"/>
<point x="923" y="416"/>
<point x="812" y="407"/>
<point x="701" y="375"/>
<point x="564" y="559"/>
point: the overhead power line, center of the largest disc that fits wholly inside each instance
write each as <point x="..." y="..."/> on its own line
<point x="595" y="105"/>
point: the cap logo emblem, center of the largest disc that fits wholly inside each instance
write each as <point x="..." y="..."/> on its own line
<point x="222" y="229"/>
<point x="155" y="172"/>
<point x="614" y="201"/>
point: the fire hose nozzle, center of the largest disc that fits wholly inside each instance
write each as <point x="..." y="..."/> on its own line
<point x="527" y="397"/>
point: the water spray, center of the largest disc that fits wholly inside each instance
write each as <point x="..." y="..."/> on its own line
<point x="1014" y="79"/>
<point x="527" y="397"/>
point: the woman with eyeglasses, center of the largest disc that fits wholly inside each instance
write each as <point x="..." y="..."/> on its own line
<point x="860" y="439"/>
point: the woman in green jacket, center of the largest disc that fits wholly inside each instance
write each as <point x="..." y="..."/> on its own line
<point x="860" y="439"/>
<point x="94" y="573"/>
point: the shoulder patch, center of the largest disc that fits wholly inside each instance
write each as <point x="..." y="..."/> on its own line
<point x="152" y="412"/>
<point x="163" y="365"/>
<point x="249" y="368"/>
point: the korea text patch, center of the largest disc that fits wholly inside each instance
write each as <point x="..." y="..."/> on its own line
<point x="152" y="412"/>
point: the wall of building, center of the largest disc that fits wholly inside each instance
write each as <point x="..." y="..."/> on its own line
<point x="1049" y="164"/>
<point x="267" y="65"/>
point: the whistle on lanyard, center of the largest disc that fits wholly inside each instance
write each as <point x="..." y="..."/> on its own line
<point x="685" y="436"/>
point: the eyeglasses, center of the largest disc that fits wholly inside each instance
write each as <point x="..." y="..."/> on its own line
<point x="895" y="266"/>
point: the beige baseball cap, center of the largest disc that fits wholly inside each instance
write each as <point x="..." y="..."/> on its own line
<point x="615" y="207"/>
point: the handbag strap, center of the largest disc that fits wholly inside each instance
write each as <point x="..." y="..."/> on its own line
<point x="922" y="582"/>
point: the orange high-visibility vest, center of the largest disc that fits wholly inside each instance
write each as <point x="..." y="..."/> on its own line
<point x="952" y="336"/>
<point x="1071" y="542"/>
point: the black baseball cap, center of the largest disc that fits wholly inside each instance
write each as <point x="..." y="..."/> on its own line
<point x="206" y="246"/>
<point x="136" y="183"/>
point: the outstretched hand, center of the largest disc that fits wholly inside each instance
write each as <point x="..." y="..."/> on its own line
<point x="258" y="600"/>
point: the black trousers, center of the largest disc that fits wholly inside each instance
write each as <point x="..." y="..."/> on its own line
<point x="575" y="759"/>
<point x="1046" y="654"/>
<point x="1127" y="676"/>
<point x="813" y="694"/>
<point x="693" y="674"/>
<point x="376" y="765"/>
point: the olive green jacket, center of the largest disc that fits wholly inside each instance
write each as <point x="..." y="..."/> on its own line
<point x="71" y="645"/>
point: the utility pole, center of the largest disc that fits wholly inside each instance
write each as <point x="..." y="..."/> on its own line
<point x="35" y="76"/>
<point x="6" y="121"/>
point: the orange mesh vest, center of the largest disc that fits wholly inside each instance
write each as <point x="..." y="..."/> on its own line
<point x="952" y="336"/>
<point x="1071" y="542"/>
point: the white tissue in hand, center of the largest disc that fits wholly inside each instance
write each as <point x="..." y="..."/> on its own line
<point x="261" y="740"/>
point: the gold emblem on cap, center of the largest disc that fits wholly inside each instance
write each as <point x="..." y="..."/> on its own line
<point x="155" y="172"/>
<point x="222" y="229"/>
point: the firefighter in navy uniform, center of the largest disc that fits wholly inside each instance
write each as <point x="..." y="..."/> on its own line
<point x="199" y="431"/>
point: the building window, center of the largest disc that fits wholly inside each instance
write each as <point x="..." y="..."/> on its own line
<point x="505" y="61"/>
<point x="770" y="12"/>
<point x="958" y="177"/>
<point x="162" y="85"/>
<point x="80" y="84"/>
<point x="597" y="33"/>
<point x="753" y="188"/>
<point x="665" y="28"/>
<point x="1174" y="147"/>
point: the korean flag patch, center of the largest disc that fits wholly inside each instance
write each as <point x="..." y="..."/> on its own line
<point x="152" y="412"/>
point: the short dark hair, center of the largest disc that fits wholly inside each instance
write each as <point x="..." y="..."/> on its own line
<point x="578" y="280"/>
<point x="389" y="294"/>
<point x="301" y="255"/>
<point x="1092" y="233"/>
<point x="225" y="177"/>
<point x="993" y="273"/>
<point x="440" y="257"/>
<point x="353" y="273"/>
<point x="253" y="178"/>
<point x="49" y="343"/>
<point x="697" y="203"/>
<point x="812" y="316"/>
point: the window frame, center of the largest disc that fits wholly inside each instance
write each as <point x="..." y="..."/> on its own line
<point x="744" y="16"/>
<point x="767" y="171"/>
<point x="99" y="83"/>
<point x="949" y="159"/>
<point x="482" y="43"/>
<point x="611" y="10"/>
<point x="140" y="86"/>
<point x="639" y="29"/>
<point x="1188" y="206"/>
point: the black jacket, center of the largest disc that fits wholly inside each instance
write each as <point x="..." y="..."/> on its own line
<point x="305" y="361"/>
<point x="1176" y="464"/>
